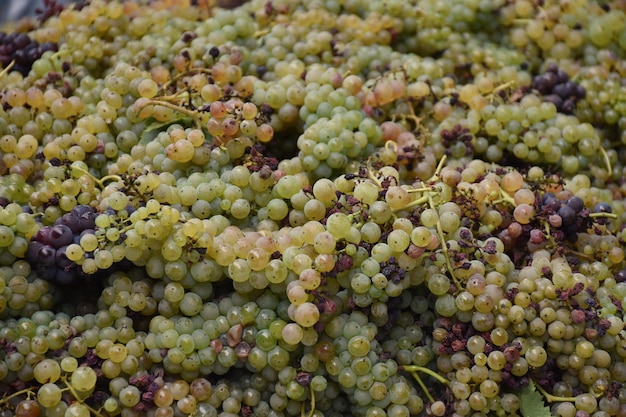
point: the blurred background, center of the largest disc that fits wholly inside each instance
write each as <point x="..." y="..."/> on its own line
<point x="14" y="10"/>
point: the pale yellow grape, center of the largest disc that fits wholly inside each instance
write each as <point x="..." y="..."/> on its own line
<point x="449" y="221"/>
<point x="429" y="218"/>
<point x="196" y="137"/>
<point x="324" y="191"/>
<point x="306" y="314"/>
<point x="420" y="236"/>
<point x="511" y="182"/>
<point x="277" y="209"/>
<point x="370" y="232"/>
<point x="103" y="259"/>
<point x="397" y="197"/>
<point x="324" y="242"/>
<point x="524" y="196"/>
<point x="309" y="279"/>
<point x="339" y="225"/>
<point x="314" y="209"/>
<point x="83" y="378"/>
<point x="296" y="293"/>
<point x="258" y="259"/>
<point x="174" y="292"/>
<point x="398" y="240"/>
<point x="74" y="252"/>
<point x="524" y="213"/>
<point x="77" y="409"/>
<point x="47" y="371"/>
<point x="49" y="395"/>
<point x="276" y="271"/>
<point x="239" y="270"/>
<point x="89" y="242"/>
<point x="292" y="333"/>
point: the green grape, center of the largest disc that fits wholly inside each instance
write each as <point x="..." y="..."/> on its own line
<point x="83" y="378"/>
<point x="47" y="371"/>
<point x="49" y="395"/>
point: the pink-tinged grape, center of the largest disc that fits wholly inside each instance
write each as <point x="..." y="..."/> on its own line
<point x="397" y="197"/>
<point x="524" y="213"/>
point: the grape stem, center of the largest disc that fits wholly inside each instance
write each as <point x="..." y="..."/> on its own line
<point x="191" y="113"/>
<point x="312" y="411"/>
<point x="27" y="391"/>
<point x="415" y="369"/>
<point x="7" y="69"/>
<point x="423" y="386"/>
<point x="440" y="166"/>
<point x="79" y="399"/>
<point x="100" y="181"/>
<point x="505" y="198"/>
<point x="444" y="248"/>
<point x="553" y="398"/>
<point x="178" y="77"/>
<point x="607" y="161"/>
<point x="427" y="371"/>
<point x="491" y="97"/>
<point x="600" y="215"/>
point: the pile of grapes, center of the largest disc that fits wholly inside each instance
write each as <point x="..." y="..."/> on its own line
<point x="314" y="208"/>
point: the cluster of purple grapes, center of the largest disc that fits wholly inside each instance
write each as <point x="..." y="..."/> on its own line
<point x="556" y="87"/>
<point x="46" y="250"/>
<point x="570" y="217"/>
<point x="21" y="49"/>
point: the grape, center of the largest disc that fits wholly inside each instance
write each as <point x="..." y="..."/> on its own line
<point x="49" y="395"/>
<point x="83" y="379"/>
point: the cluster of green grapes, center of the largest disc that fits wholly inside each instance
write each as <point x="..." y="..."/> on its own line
<point x="315" y="208"/>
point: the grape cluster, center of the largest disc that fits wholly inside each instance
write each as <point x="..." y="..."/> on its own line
<point x="48" y="249"/>
<point x="21" y="50"/>
<point x="296" y="208"/>
<point x="556" y="87"/>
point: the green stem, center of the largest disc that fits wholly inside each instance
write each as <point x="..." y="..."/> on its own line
<point x="440" y="165"/>
<point x="427" y="371"/>
<point x="191" y="113"/>
<point x="607" y="161"/>
<point x="553" y="398"/>
<point x="423" y="386"/>
<point x="7" y="69"/>
<point x="414" y="203"/>
<point x="101" y="181"/>
<point x="505" y="198"/>
<point x="310" y="414"/>
<point x="444" y="248"/>
<point x="27" y="391"/>
<point x="600" y="215"/>
<point x="79" y="399"/>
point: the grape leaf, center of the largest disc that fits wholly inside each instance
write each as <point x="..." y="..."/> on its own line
<point x="153" y="127"/>
<point x="531" y="402"/>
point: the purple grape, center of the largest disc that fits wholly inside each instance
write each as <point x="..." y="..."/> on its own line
<point x="602" y="208"/>
<point x="71" y="221"/>
<point x="576" y="203"/>
<point x="64" y="276"/>
<point x="33" y="250"/>
<point x="61" y="235"/>
<point x="46" y="255"/>
<point x="47" y="273"/>
<point x="43" y="235"/>
<point x="61" y="258"/>
<point x="568" y="215"/>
